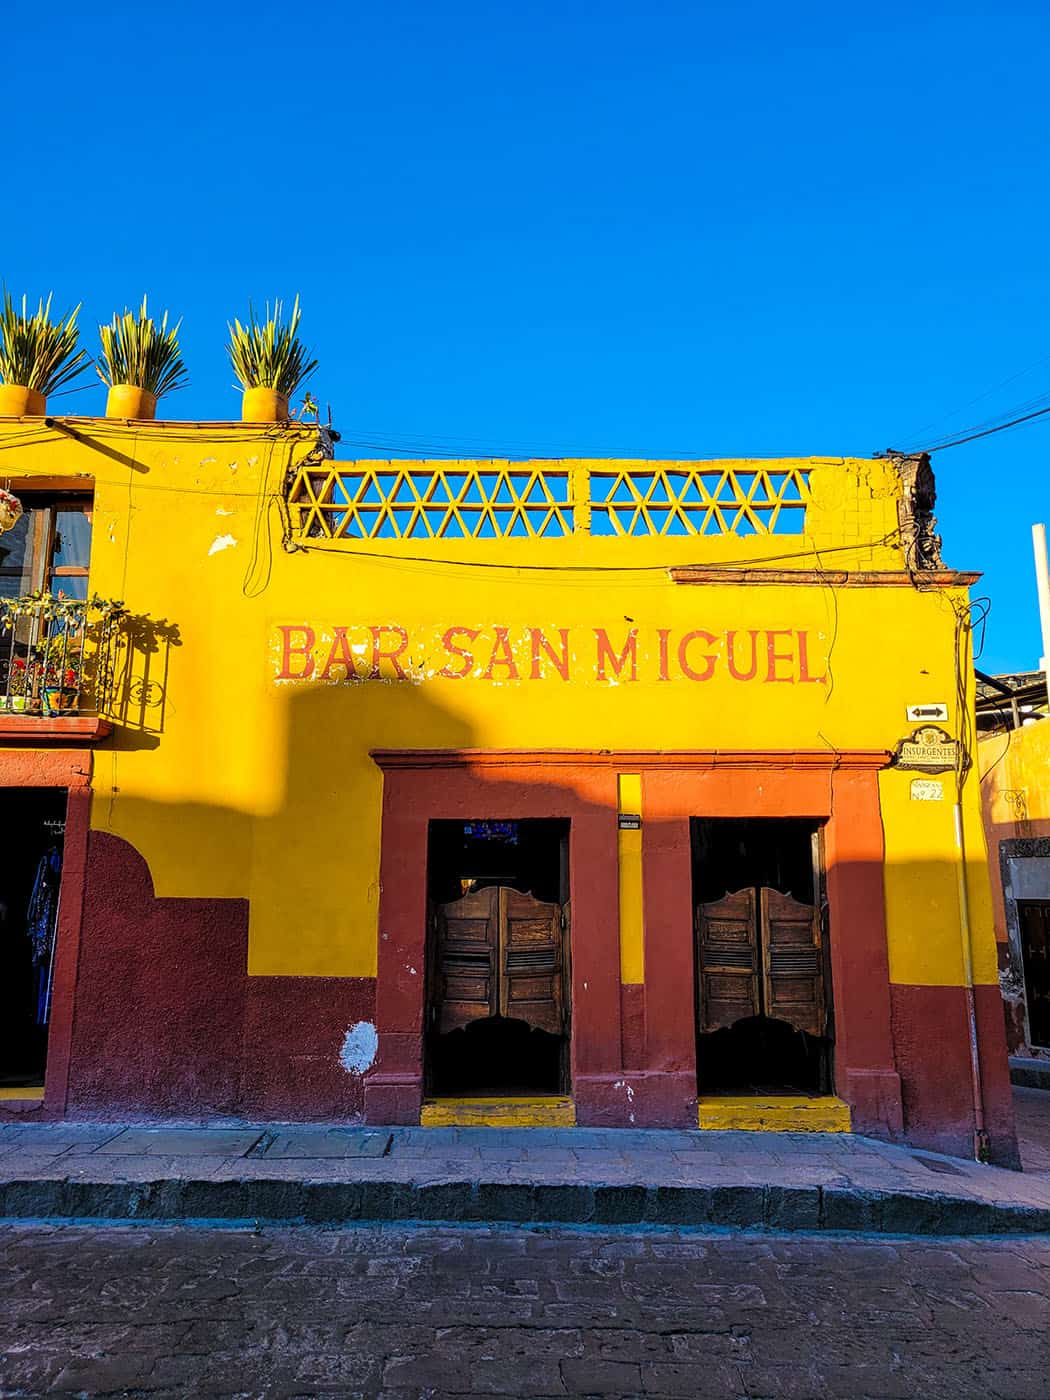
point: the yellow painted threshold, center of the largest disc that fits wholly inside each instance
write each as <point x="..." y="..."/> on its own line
<point x="25" y="1092"/>
<point x="774" y="1114"/>
<point x="542" y="1111"/>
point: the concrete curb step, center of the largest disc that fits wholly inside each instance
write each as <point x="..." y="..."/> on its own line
<point x="290" y="1202"/>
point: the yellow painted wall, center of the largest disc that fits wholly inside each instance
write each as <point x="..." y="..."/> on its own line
<point x="1015" y="786"/>
<point x="232" y="782"/>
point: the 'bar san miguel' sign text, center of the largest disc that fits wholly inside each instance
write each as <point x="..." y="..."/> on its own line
<point x="389" y="651"/>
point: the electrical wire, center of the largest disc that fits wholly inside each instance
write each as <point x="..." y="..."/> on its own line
<point x="761" y="562"/>
<point x="974" y="436"/>
<point x="987" y="393"/>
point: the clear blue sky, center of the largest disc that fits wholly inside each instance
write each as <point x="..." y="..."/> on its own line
<point x="632" y="228"/>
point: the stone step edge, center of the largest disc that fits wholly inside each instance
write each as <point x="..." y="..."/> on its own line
<point x="303" y="1202"/>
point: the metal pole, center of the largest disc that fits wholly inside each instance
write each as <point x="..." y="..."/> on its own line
<point x="1042" y="583"/>
<point x="980" y="1129"/>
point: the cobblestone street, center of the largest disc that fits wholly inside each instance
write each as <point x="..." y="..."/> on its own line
<point x="421" y="1311"/>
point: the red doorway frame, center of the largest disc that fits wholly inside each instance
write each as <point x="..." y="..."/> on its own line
<point x="69" y="769"/>
<point x="659" y="1088"/>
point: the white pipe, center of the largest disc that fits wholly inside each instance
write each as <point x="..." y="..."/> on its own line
<point x="1042" y="583"/>
<point x="980" y="1130"/>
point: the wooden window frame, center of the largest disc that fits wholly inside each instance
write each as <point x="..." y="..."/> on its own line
<point x="43" y="572"/>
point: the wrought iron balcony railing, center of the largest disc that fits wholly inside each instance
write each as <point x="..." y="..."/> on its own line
<point x="57" y="655"/>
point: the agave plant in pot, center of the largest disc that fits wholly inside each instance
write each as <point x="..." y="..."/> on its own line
<point x="38" y="354"/>
<point x="270" y="362"/>
<point x="140" y="363"/>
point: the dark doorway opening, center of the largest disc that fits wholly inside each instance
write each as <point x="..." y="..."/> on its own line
<point x="763" y="987"/>
<point x="498" y="976"/>
<point x="1033" y="916"/>
<point x="33" y="821"/>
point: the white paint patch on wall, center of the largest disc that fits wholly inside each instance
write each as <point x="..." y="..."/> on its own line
<point x="221" y="542"/>
<point x="360" y="1045"/>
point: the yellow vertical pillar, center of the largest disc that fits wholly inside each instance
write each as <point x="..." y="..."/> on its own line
<point x="632" y="931"/>
<point x="580" y="496"/>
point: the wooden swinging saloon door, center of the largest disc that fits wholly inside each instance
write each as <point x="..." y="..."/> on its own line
<point x="498" y="952"/>
<point x="760" y="952"/>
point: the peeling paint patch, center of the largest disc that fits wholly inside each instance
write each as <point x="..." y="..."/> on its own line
<point x="221" y="542"/>
<point x="221" y="510"/>
<point x="359" y="1048"/>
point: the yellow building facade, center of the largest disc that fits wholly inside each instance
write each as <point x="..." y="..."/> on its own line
<point x="600" y="791"/>
<point x="1015" y="784"/>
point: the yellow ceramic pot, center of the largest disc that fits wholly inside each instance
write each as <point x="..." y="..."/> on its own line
<point x="264" y="406"/>
<point x="16" y="401"/>
<point x="129" y="401"/>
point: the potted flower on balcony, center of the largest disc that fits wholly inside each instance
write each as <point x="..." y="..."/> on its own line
<point x="19" y="679"/>
<point x="270" y="362"/>
<point x="60" y="689"/>
<point x="140" y="363"/>
<point x="37" y="356"/>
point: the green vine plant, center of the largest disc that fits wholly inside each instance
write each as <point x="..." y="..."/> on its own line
<point x="136" y="351"/>
<point x="37" y="351"/>
<point x="268" y="354"/>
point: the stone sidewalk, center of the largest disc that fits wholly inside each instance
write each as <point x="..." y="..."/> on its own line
<point x="287" y="1173"/>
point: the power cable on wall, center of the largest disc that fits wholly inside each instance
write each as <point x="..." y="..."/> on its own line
<point x="758" y="562"/>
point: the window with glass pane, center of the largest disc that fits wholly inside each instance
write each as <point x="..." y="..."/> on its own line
<point x="50" y="548"/>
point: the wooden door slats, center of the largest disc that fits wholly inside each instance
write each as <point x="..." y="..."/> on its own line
<point x="728" y="959"/>
<point x="531" y="986"/>
<point x="792" y="966"/>
<point x="499" y="952"/>
<point x="760" y="952"/>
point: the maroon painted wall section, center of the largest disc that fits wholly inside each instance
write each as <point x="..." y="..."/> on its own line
<point x="931" y="1039"/>
<point x="294" y="1028"/>
<point x="632" y="1024"/>
<point x="168" y="1024"/>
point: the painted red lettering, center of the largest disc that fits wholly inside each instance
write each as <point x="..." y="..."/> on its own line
<point x="501" y="656"/>
<point x="709" y="661"/>
<point x="773" y="657"/>
<point x="379" y="654"/>
<point x="340" y="655"/>
<point x="734" y="671"/>
<point x="803" y="662"/>
<point x="541" y="646"/>
<point x="304" y="649"/>
<point x="617" y="661"/>
<point x="470" y="634"/>
<point x="664" y="635"/>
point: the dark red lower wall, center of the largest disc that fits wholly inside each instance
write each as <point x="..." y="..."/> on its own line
<point x="932" y="1048"/>
<point x="294" y="1029"/>
<point x="167" y="1022"/>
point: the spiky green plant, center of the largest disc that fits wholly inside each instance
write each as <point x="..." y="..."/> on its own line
<point x="36" y="351"/>
<point x="135" y="350"/>
<point x="268" y="354"/>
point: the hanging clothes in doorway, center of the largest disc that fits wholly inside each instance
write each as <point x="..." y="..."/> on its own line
<point x="41" y="922"/>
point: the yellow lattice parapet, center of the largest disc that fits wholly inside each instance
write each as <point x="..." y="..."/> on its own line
<point x="468" y="500"/>
<point x="746" y="498"/>
<point x="822" y="503"/>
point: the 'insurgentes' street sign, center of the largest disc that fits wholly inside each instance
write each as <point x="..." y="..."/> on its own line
<point x="930" y="749"/>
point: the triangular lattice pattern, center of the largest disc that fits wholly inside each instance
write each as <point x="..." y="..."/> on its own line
<point x="458" y="503"/>
<point x="754" y="501"/>
<point x="478" y="501"/>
